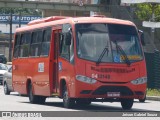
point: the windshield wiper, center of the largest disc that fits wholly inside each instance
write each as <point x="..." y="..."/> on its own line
<point x="119" y="48"/>
<point x="102" y="54"/>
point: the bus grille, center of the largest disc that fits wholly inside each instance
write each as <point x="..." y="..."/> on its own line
<point x="124" y="91"/>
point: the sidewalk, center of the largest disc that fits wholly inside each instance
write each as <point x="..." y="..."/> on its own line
<point x="155" y="98"/>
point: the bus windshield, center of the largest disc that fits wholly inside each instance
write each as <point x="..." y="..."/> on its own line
<point x="93" y="39"/>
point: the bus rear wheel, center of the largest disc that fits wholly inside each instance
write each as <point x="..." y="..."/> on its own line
<point x="127" y="103"/>
<point x="67" y="101"/>
<point x="34" y="99"/>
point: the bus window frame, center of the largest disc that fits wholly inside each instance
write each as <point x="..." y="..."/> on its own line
<point x="62" y="43"/>
<point x="21" y="44"/>
<point x="34" y="31"/>
<point x="45" y="29"/>
<point x="15" y="45"/>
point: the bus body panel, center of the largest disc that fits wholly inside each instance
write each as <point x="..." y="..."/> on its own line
<point x="26" y="69"/>
<point x="111" y="77"/>
<point x="121" y="81"/>
<point x="67" y="73"/>
<point x="110" y="73"/>
<point x="100" y="90"/>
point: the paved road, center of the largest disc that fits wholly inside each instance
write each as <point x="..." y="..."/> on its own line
<point x="14" y="102"/>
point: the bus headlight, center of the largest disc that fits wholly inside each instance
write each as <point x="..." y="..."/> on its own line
<point x="138" y="81"/>
<point x="85" y="79"/>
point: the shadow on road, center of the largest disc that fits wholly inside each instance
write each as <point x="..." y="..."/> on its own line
<point x="94" y="107"/>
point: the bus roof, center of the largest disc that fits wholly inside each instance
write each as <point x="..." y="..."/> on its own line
<point x="55" y="20"/>
<point x="101" y="20"/>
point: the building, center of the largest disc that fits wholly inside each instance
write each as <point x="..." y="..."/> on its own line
<point x="17" y="21"/>
<point x="5" y="23"/>
<point x="47" y="13"/>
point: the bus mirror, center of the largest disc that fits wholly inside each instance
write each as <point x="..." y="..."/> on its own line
<point x="142" y="39"/>
<point x="67" y="38"/>
<point x="141" y="34"/>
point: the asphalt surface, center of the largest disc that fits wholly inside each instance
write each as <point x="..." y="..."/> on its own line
<point x="15" y="102"/>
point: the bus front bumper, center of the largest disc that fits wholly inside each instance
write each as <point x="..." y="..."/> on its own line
<point x="111" y="91"/>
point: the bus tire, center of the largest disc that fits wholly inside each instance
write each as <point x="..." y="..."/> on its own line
<point x="127" y="103"/>
<point x="41" y="99"/>
<point x="83" y="102"/>
<point x="142" y="100"/>
<point x="6" y="90"/>
<point x="67" y="101"/>
<point x="32" y="98"/>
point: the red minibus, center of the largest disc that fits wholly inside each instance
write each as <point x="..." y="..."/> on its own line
<point x="80" y="60"/>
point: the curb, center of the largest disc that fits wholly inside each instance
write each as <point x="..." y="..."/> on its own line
<point x="154" y="98"/>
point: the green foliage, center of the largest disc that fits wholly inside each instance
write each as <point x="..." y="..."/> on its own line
<point x="144" y="11"/>
<point x="24" y="11"/>
<point x="153" y="92"/>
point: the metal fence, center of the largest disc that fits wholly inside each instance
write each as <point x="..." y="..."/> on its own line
<point x="157" y="69"/>
<point x="153" y="69"/>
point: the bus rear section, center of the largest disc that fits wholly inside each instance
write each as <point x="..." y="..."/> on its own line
<point x="31" y="63"/>
<point x="89" y="59"/>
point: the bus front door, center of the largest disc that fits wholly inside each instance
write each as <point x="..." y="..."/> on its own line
<point x="56" y="38"/>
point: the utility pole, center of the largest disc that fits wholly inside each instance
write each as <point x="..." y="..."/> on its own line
<point x="153" y="20"/>
<point x="19" y="19"/>
<point x="10" y="40"/>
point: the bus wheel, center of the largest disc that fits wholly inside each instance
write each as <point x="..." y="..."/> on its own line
<point x="32" y="98"/>
<point x="84" y="102"/>
<point x="41" y="99"/>
<point x="142" y="100"/>
<point x="67" y="101"/>
<point x="6" y="90"/>
<point x="127" y="104"/>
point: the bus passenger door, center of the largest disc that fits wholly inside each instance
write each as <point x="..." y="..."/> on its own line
<point x="56" y="37"/>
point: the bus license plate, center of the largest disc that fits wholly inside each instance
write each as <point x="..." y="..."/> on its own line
<point x="113" y="94"/>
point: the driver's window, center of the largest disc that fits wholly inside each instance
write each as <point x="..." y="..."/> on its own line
<point x="66" y="51"/>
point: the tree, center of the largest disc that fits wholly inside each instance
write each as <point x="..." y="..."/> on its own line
<point x="24" y="11"/>
<point x="144" y="11"/>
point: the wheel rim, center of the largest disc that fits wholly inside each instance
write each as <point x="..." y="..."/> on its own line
<point x="5" y="88"/>
<point x="65" y="97"/>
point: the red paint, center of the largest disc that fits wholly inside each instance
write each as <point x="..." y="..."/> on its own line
<point x="45" y="83"/>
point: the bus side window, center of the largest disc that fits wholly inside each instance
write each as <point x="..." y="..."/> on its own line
<point x="16" y="46"/>
<point x="46" y="42"/>
<point x="36" y="43"/>
<point x="25" y="41"/>
<point x="21" y="45"/>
